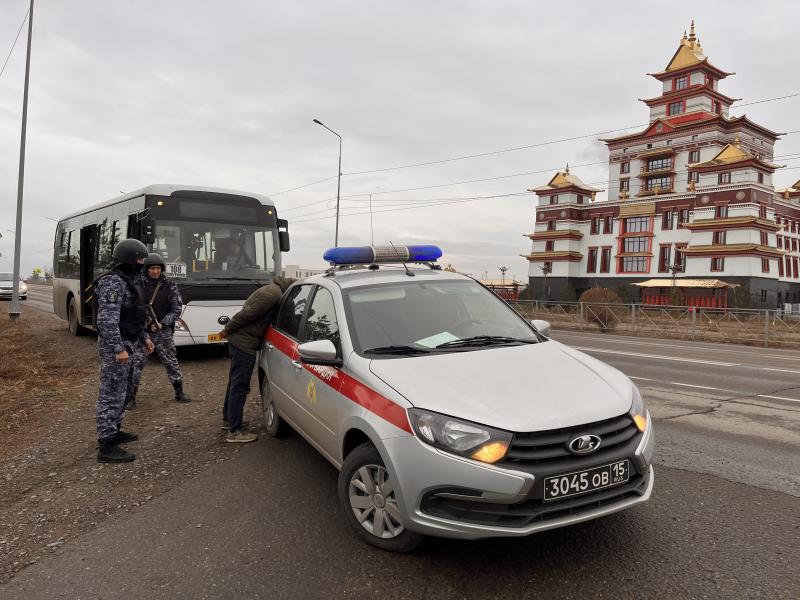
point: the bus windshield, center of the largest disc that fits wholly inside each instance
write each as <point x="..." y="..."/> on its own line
<point x="215" y="252"/>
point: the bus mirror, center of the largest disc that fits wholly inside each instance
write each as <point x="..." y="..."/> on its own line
<point x="147" y="231"/>
<point x="283" y="235"/>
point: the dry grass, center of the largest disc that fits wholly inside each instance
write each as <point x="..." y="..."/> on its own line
<point x="35" y="374"/>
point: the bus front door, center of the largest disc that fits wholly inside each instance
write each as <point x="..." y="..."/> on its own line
<point x="88" y="253"/>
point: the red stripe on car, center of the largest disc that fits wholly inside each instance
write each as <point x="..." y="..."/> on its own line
<point x="349" y="386"/>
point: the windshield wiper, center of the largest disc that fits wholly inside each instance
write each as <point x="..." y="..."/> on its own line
<point x="399" y="350"/>
<point x="484" y="340"/>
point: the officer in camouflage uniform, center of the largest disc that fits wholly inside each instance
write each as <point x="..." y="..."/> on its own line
<point x="164" y="307"/>
<point x="121" y="334"/>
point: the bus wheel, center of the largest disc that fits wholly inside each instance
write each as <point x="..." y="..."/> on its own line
<point x="72" y="318"/>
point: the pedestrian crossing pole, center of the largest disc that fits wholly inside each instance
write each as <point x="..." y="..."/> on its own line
<point x="14" y="313"/>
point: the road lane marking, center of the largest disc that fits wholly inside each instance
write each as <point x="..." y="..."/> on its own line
<point x="659" y="356"/>
<point x="702" y="387"/>
<point x="707" y="346"/>
<point x="640" y="378"/>
<point x="781" y="370"/>
<point x="778" y="398"/>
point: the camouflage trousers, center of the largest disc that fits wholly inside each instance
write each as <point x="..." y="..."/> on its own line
<point x="116" y="387"/>
<point x="165" y="349"/>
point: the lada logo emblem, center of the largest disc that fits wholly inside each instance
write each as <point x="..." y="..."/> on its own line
<point x="584" y="444"/>
<point x="224" y="320"/>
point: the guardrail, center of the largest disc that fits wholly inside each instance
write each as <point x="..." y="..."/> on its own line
<point x="768" y="328"/>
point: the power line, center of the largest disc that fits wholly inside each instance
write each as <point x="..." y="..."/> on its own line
<point x="433" y="202"/>
<point x="24" y="19"/>
<point x="300" y="187"/>
<point x="550" y="170"/>
<point x="536" y="145"/>
<point x="493" y="152"/>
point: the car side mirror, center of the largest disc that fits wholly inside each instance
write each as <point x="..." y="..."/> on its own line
<point x="542" y="327"/>
<point x="319" y="352"/>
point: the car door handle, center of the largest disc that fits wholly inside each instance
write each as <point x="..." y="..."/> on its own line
<point x="297" y="364"/>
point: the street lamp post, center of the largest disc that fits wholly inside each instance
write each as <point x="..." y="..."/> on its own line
<point x="338" y="179"/>
<point x="15" y="310"/>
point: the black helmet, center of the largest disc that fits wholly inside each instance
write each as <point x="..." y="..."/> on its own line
<point x="129" y="251"/>
<point x="154" y="260"/>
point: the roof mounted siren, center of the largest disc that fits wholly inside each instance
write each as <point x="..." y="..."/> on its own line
<point x="377" y="255"/>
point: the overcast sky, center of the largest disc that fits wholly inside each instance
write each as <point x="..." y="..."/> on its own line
<point x="127" y="93"/>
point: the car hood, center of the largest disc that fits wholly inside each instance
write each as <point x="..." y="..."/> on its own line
<point x="519" y="388"/>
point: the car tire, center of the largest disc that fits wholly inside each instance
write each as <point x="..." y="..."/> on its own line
<point x="365" y="463"/>
<point x="275" y="425"/>
<point x="75" y="328"/>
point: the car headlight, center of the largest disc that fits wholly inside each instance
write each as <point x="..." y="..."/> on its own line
<point x="23" y="287"/>
<point x="180" y="325"/>
<point x="638" y="412"/>
<point x="460" y="437"/>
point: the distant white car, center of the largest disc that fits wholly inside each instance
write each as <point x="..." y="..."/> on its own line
<point x="7" y="286"/>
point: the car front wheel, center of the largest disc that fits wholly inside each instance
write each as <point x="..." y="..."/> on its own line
<point x="368" y="499"/>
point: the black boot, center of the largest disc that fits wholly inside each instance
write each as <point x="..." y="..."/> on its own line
<point x="111" y="453"/>
<point x="179" y="395"/>
<point x="122" y="437"/>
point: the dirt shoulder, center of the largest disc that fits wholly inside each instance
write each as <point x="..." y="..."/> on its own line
<point x="52" y="488"/>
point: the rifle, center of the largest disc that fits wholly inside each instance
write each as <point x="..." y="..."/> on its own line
<point x="151" y="313"/>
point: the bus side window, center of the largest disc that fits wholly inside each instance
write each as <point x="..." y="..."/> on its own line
<point x="62" y="252"/>
<point x="72" y="260"/>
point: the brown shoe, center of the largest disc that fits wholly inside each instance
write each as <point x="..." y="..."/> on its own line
<point x="241" y="437"/>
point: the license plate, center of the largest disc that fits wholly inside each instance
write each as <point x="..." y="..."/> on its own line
<point x="215" y="337"/>
<point x="583" y="482"/>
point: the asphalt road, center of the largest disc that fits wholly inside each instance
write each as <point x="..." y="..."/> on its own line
<point x="723" y="522"/>
<point x="40" y="297"/>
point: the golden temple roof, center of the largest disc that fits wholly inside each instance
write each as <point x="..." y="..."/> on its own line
<point x="564" y="179"/>
<point x="689" y="53"/>
<point x="730" y="154"/>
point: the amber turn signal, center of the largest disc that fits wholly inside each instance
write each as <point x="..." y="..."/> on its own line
<point x="491" y="452"/>
<point x="641" y="422"/>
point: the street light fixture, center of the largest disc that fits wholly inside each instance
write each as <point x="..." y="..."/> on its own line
<point x="338" y="179"/>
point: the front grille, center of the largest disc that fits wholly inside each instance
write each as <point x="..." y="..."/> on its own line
<point x="545" y="447"/>
<point x="533" y="510"/>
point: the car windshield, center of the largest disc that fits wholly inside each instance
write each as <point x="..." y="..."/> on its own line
<point x="417" y="318"/>
<point x="215" y="252"/>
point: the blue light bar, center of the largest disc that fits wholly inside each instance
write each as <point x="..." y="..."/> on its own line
<point x="369" y="255"/>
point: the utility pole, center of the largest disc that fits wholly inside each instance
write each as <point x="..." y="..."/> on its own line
<point x="15" y="310"/>
<point x="503" y="271"/>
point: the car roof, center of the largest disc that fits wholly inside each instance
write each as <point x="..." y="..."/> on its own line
<point x="363" y="276"/>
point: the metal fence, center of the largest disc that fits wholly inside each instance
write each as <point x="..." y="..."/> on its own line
<point x="769" y="328"/>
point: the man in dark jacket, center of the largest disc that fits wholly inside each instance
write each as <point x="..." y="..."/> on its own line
<point x="245" y="334"/>
<point x="164" y="307"/>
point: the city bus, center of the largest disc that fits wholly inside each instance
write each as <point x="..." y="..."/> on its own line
<point x="218" y="245"/>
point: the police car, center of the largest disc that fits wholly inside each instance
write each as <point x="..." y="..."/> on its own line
<point x="446" y="412"/>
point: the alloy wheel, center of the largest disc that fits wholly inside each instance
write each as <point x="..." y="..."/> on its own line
<point x="374" y="503"/>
